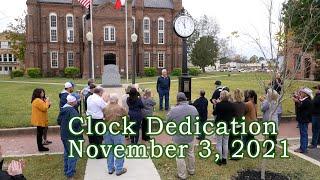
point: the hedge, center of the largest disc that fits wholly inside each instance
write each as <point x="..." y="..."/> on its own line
<point x="17" y="73"/>
<point x="71" y="72"/>
<point x="34" y="72"/>
<point x="150" y="72"/>
<point x="176" y="72"/>
<point x="194" y="71"/>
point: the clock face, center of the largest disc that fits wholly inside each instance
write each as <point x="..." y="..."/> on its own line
<point x="184" y="26"/>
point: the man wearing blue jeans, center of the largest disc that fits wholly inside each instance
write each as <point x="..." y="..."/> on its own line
<point x="67" y="113"/>
<point x="304" y="115"/>
<point x="163" y="89"/>
<point x="114" y="113"/>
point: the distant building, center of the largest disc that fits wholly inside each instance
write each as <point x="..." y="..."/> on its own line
<point x="56" y="35"/>
<point x="302" y="66"/>
<point x="8" y="62"/>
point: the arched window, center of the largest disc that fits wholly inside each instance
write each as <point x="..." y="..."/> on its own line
<point x="70" y="28"/>
<point x="146" y="30"/>
<point x="53" y="20"/>
<point x="161" y="26"/>
<point x="109" y="33"/>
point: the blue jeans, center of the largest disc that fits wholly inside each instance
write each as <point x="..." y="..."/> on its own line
<point x="315" y="130"/>
<point x="164" y="94"/>
<point x="113" y="162"/>
<point x="303" y="127"/>
<point x="70" y="164"/>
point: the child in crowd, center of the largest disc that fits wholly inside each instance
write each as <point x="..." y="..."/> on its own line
<point x="148" y="109"/>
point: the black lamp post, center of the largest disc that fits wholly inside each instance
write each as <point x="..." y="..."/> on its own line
<point x="134" y="38"/>
<point x="89" y="37"/>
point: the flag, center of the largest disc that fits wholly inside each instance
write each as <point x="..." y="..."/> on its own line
<point x="85" y="3"/>
<point x="118" y="4"/>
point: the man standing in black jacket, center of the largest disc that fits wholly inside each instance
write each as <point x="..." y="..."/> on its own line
<point x="201" y="105"/>
<point x="304" y="116"/>
<point x="315" y="119"/>
<point x="163" y="89"/>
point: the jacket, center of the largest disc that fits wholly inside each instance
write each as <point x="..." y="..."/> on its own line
<point x="148" y="103"/>
<point x="163" y="84"/>
<point x="267" y="108"/>
<point x="114" y="113"/>
<point x="225" y="112"/>
<point x="178" y="114"/>
<point x="251" y="112"/>
<point x="135" y="109"/>
<point x="39" y="113"/>
<point x="201" y="104"/>
<point x="304" y="110"/>
<point x="5" y="176"/>
<point x="66" y="114"/>
<point x="316" y="106"/>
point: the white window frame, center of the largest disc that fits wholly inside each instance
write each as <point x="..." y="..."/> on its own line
<point x="161" y="31"/>
<point x="5" y="45"/>
<point x="146" y="31"/>
<point x="52" y="28"/>
<point x="164" y="59"/>
<point x="70" y="30"/>
<point x="149" y="61"/>
<point x="5" y="58"/>
<point x="51" y="59"/>
<point x="133" y="24"/>
<point x="109" y="37"/>
<point x="68" y="58"/>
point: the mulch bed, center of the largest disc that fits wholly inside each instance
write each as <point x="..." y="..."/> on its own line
<point x="256" y="175"/>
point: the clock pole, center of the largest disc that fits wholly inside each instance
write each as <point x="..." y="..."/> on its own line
<point x="185" y="79"/>
<point x="185" y="19"/>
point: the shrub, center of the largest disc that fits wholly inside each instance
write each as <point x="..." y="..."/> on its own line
<point x="150" y="72"/>
<point x="71" y="72"/>
<point x="17" y="73"/>
<point x="176" y="72"/>
<point x="194" y="71"/>
<point x="34" y="72"/>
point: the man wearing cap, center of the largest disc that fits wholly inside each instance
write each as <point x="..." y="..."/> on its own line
<point x="95" y="106"/>
<point x="179" y="114"/>
<point x="304" y="116"/>
<point x="315" y="119"/>
<point x="163" y="89"/>
<point x="216" y="93"/>
<point x="66" y="114"/>
<point x="68" y="89"/>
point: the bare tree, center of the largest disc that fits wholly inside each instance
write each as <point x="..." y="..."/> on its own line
<point x="284" y="37"/>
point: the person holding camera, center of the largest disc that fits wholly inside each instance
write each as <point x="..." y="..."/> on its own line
<point x="39" y="115"/>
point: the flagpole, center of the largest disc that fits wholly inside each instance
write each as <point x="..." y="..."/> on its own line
<point x="92" y="52"/>
<point x="127" y="59"/>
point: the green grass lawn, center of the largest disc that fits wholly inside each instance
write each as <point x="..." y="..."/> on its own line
<point x="15" y="107"/>
<point x="49" y="167"/>
<point x="206" y="169"/>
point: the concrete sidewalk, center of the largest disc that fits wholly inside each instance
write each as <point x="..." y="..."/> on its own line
<point x="138" y="169"/>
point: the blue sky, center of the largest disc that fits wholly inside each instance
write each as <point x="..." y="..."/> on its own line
<point x="244" y="16"/>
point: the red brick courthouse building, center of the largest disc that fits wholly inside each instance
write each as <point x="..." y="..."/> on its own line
<point x="56" y="35"/>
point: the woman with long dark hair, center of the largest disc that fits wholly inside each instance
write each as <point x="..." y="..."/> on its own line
<point x="39" y="115"/>
<point x="135" y="112"/>
<point x="251" y="100"/>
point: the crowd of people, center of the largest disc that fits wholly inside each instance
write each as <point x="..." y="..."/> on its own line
<point x="138" y="104"/>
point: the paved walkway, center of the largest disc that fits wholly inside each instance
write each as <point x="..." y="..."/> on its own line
<point x="138" y="169"/>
